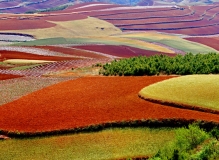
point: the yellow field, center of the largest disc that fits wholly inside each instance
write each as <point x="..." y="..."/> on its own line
<point x="173" y="41"/>
<point x="108" y="144"/>
<point x="137" y="44"/>
<point x="68" y="29"/>
<point x="194" y="90"/>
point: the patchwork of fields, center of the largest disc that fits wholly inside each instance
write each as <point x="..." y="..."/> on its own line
<point x="52" y="83"/>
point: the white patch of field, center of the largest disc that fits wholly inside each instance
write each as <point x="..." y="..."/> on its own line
<point x="91" y="5"/>
<point x="37" y="51"/>
<point x="17" y="38"/>
<point x="137" y="7"/>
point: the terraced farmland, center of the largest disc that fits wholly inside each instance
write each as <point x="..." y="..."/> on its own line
<point x="181" y="20"/>
<point x="52" y="85"/>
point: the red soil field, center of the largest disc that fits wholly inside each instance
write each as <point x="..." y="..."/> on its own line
<point x="211" y="30"/>
<point x="148" y="14"/>
<point x="87" y="101"/>
<point x="121" y="51"/>
<point x="154" y="20"/>
<point x="22" y="55"/>
<point x="209" y="41"/>
<point x="127" y="11"/>
<point x="8" y="76"/>
<point x="197" y="24"/>
<point x="64" y="17"/>
<point x="72" y="51"/>
<point x="24" y="24"/>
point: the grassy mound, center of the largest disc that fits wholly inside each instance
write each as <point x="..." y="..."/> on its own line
<point x="196" y="91"/>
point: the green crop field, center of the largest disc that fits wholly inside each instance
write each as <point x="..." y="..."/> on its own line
<point x="107" y="144"/>
<point x="172" y="41"/>
<point x="193" y="90"/>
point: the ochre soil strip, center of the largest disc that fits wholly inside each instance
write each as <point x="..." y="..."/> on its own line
<point x="89" y="101"/>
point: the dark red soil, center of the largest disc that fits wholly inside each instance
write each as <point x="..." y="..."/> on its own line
<point x="8" y="76"/>
<point x="211" y="30"/>
<point x="86" y="101"/>
<point x="16" y="24"/>
<point x="22" y="55"/>
<point x="209" y="41"/>
<point x="146" y="15"/>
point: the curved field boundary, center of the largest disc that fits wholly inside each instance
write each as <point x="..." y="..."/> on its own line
<point x="152" y="123"/>
<point x="17" y="34"/>
<point x="127" y="12"/>
<point x="121" y="51"/>
<point x="180" y="105"/>
<point x="5" y="55"/>
<point x="209" y="41"/>
<point x="70" y="50"/>
<point x="53" y="67"/>
<point x="204" y="31"/>
<point x="89" y="101"/>
<point x="32" y="50"/>
<point x="163" y="22"/>
<point x="149" y="17"/>
<point x="198" y="92"/>
<point x="177" y="51"/>
<point x="178" y="28"/>
<point x="13" y="89"/>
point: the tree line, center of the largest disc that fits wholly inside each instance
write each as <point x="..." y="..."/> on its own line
<point x="164" y="65"/>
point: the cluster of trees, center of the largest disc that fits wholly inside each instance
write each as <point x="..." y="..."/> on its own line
<point x="191" y="143"/>
<point x="162" y="64"/>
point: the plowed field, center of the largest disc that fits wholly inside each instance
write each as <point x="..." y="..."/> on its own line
<point x="86" y="101"/>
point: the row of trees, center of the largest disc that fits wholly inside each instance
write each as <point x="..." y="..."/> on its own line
<point x="162" y="64"/>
